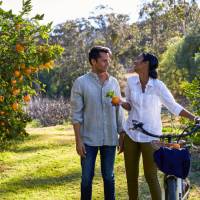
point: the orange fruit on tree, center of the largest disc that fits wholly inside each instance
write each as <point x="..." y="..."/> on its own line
<point x="22" y="66"/>
<point x="27" y="71"/>
<point x="18" y="26"/>
<point x="115" y="100"/>
<point x="17" y="73"/>
<point x="41" y="67"/>
<point x="2" y="112"/>
<point x="34" y="69"/>
<point x="1" y="98"/>
<point x="15" y="106"/>
<point x="20" y="78"/>
<point x="13" y="82"/>
<point x="27" y="98"/>
<point x="48" y="65"/>
<point x="2" y="123"/>
<point x="52" y="62"/>
<point x="19" y="48"/>
<point x="15" y="91"/>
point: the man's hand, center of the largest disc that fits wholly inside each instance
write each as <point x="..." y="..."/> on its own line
<point x="121" y="143"/>
<point x="80" y="148"/>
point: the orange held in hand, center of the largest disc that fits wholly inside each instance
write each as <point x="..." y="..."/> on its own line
<point x="115" y="99"/>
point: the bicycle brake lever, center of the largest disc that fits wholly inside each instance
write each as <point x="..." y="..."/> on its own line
<point x="136" y="124"/>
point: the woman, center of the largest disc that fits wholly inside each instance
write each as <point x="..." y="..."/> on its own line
<point x="145" y="95"/>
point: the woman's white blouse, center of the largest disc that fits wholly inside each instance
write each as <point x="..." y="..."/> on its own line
<point x="146" y="107"/>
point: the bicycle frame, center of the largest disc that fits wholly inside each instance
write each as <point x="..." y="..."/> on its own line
<point x="173" y="186"/>
<point x="178" y="184"/>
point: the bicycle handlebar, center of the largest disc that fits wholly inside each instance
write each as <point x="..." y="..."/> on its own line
<point x="139" y="125"/>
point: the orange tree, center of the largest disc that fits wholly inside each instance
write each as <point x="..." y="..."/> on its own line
<point x="24" y="51"/>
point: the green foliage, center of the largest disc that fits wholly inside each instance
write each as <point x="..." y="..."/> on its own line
<point x="77" y="37"/>
<point x="162" y="20"/>
<point x="35" y="123"/>
<point x="169" y="72"/>
<point x="180" y="62"/>
<point x="26" y="7"/>
<point x="192" y="92"/>
<point x="110" y="93"/>
<point x="186" y="52"/>
<point x="24" y="50"/>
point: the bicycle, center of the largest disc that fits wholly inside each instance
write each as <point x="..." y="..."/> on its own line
<point x="176" y="187"/>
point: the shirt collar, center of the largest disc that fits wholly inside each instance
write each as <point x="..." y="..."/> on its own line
<point x="94" y="75"/>
<point x="149" y="83"/>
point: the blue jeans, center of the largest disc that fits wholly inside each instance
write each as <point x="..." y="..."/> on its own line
<point x="107" y="156"/>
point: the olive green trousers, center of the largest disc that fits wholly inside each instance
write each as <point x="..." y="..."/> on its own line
<point x="132" y="152"/>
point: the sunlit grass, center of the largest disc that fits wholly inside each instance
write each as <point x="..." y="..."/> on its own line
<point x="46" y="166"/>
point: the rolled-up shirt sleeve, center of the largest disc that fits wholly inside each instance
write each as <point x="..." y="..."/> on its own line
<point x="120" y="119"/>
<point x="77" y="105"/>
<point x="119" y="113"/>
<point x="168" y="100"/>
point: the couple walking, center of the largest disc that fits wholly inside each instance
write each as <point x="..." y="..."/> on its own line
<point x="100" y="126"/>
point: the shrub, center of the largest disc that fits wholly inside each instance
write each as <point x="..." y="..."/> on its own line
<point x="192" y="92"/>
<point x="49" y="112"/>
<point x="24" y="51"/>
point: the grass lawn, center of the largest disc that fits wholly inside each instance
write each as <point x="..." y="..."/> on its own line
<point x="46" y="166"/>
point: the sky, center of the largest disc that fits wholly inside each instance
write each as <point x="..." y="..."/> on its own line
<point x="59" y="11"/>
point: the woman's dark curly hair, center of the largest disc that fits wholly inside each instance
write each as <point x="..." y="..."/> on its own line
<point x="153" y="64"/>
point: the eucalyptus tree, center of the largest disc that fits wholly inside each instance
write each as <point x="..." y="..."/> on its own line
<point x="165" y="19"/>
<point x="77" y="37"/>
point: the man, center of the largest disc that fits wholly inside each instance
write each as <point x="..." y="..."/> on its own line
<point x="96" y="122"/>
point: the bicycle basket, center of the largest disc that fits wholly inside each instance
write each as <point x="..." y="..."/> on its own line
<point x="173" y="161"/>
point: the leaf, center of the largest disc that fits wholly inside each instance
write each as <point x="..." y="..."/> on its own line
<point x="38" y="17"/>
<point x="26" y="7"/>
<point x="110" y="93"/>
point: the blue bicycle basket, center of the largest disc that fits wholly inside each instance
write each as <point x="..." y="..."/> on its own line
<point x="173" y="161"/>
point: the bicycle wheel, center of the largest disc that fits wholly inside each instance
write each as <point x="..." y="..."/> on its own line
<point x="186" y="188"/>
<point x="170" y="190"/>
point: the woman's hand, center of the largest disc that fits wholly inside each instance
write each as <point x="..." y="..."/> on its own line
<point x="126" y="106"/>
